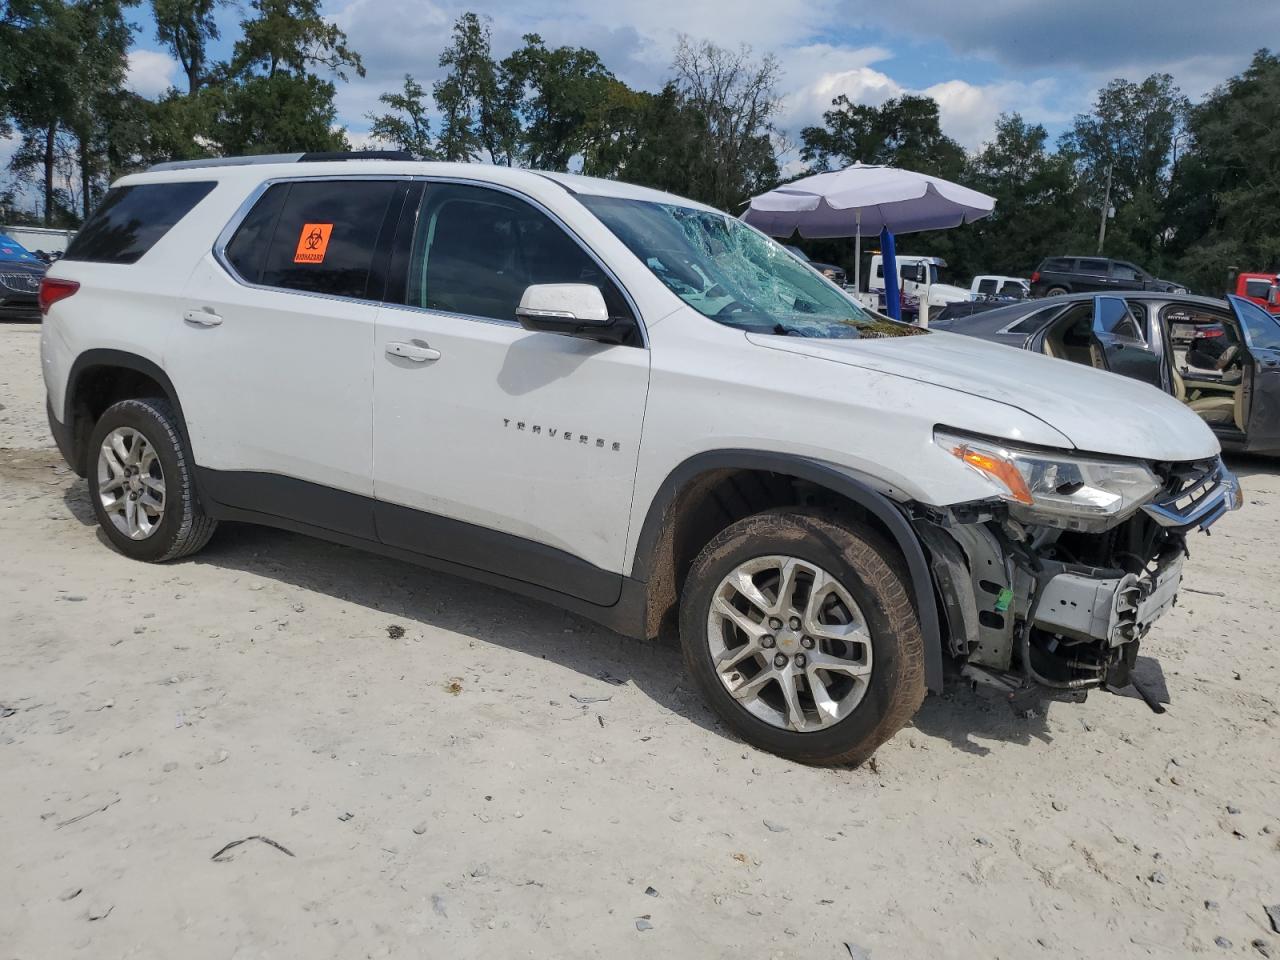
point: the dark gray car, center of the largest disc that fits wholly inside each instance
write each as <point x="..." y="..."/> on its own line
<point x="1159" y="338"/>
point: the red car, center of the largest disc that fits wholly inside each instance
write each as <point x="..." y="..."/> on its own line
<point x="1262" y="288"/>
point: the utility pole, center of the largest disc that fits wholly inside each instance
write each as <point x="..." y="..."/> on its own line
<point x="1106" y="209"/>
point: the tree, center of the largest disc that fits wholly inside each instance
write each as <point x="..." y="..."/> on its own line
<point x="1129" y="133"/>
<point x="1037" y="202"/>
<point x="292" y="36"/>
<point x="187" y="27"/>
<point x="96" y="77"/>
<point x="736" y="101"/>
<point x="562" y="91"/>
<point x="903" y="132"/>
<point x="408" y="127"/>
<point x="1225" y="207"/>
<point x="471" y="81"/>
<point x="37" y="43"/>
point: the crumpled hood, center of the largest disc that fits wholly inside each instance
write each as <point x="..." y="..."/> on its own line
<point x="1097" y="411"/>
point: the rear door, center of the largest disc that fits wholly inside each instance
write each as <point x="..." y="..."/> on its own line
<point x="1091" y="274"/>
<point x="1121" y="345"/>
<point x="1261" y="384"/>
<point x="272" y="352"/>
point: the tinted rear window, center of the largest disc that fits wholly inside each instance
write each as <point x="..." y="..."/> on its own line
<point x="1058" y="263"/>
<point x="317" y="236"/>
<point x="130" y="220"/>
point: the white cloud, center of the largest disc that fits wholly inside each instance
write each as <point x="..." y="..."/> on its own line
<point x="151" y="72"/>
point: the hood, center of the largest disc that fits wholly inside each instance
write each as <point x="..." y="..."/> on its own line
<point x="947" y="291"/>
<point x="1098" y="412"/>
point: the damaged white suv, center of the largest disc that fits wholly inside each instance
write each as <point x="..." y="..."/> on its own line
<point x="629" y="405"/>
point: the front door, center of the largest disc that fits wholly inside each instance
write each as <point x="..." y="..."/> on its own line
<point x="1119" y="341"/>
<point x="271" y="354"/>
<point x="1261" y="400"/>
<point x="495" y="447"/>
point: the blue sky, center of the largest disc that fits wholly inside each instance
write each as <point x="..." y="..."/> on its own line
<point x="1043" y="59"/>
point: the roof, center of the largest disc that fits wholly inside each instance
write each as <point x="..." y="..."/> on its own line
<point x="379" y="163"/>
<point x="992" y="321"/>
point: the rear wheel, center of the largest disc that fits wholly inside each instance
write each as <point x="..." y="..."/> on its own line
<point x="140" y="483"/>
<point x="1056" y="292"/>
<point x="800" y="631"/>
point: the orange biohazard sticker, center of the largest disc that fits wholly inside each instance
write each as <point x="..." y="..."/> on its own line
<point x="312" y="243"/>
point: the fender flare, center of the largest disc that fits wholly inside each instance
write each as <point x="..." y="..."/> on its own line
<point x="825" y="475"/>
<point x="104" y="357"/>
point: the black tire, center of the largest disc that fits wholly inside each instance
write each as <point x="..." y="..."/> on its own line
<point x="872" y="573"/>
<point x="183" y="527"/>
<point x="1056" y="292"/>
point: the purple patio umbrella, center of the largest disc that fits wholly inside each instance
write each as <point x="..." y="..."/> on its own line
<point x="861" y="201"/>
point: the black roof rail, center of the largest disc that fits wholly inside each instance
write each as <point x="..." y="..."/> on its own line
<point x="324" y="155"/>
<point x="314" y="157"/>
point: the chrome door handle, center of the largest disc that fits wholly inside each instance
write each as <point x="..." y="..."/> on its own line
<point x="202" y="318"/>
<point x="418" y="353"/>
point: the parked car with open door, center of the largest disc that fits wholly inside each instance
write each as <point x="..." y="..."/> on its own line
<point x="1220" y="358"/>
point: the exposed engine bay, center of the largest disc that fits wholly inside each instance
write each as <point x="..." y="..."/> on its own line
<point x="1058" y="611"/>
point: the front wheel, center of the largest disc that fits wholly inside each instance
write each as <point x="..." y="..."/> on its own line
<point x="141" y="483"/>
<point x="800" y="631"/>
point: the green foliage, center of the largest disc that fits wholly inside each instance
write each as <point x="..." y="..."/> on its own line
<point x="407" y="127"/>
<point x="186" y="27"/>
<point x="291" y="36"/>
<point x="1226" y="201"/>
<point x="562" y="91"/>
<point x="471" y="80"/>
<point x="903" y="132"/>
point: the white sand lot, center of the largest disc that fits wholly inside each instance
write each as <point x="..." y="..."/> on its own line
<point x="444" y="795"/>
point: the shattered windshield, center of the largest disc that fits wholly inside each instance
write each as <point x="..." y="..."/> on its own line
<point x="736" y="276"/>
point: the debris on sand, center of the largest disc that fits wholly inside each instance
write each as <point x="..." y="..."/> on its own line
<point x="218" y="857"/>
<point x="395" y="631"/>
<point x="454" y="686"/>
<point x="105" y="806"/>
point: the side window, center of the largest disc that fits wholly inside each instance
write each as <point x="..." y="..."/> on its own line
<point x="130" y="220"/>
<point x="317" y="236"/>
<point x="247" y="251"/>
<point x="1262" y="328"/>
<point x="1094" y="268"/>
<point x="1257" y="289"/>
<point x="880" y="270"/>
<point x="1124" y="271"/>
<point x="475" y="251"/>
<point x="1011" y="289"/>
<point x="987" y="287"/>
<point x="1113" y="317"/>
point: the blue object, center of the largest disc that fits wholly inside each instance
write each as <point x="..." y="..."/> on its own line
<point x="12" y="251"/>
<point x="889" y="261"/>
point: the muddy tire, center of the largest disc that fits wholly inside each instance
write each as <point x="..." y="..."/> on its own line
<point x="141" y="484"/>
<point x="800" y="631"/>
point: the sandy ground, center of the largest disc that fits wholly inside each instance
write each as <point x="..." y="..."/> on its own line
<point x="445" y="793"/>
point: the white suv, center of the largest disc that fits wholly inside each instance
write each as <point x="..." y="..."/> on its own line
<point x="627" y="404"/>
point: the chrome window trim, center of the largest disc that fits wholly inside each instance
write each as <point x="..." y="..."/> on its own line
<point x="237" y="218"/>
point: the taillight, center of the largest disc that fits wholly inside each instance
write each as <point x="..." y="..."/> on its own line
<point x="1035" y="276"/>
<point x="52" y="290"/>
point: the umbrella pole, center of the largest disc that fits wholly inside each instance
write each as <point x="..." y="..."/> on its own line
<point x="857" y="253"/>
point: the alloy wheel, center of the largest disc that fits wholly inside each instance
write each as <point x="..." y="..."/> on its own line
<point x="789" y="643"/>
<point x="131" y="483"/>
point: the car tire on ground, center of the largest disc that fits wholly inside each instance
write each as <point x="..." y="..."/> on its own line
<point x="1056" y="292"/>
<point x="800" y="631"/>
<point x="141" y="484"/>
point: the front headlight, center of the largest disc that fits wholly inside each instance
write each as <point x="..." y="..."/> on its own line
<point x="1055" y="489"/>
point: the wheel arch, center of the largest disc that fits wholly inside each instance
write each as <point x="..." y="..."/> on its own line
<point x="678" y="523"/>
<point x="103" y="376"/>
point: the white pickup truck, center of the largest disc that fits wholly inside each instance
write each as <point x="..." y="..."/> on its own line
<point x="915" y="275"/>
<point x="992" y="285"/>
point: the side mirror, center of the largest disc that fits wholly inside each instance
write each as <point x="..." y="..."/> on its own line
<point x="573" y="310"/>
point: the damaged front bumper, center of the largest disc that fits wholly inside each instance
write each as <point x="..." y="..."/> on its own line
<point x="1059" y="611"/>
